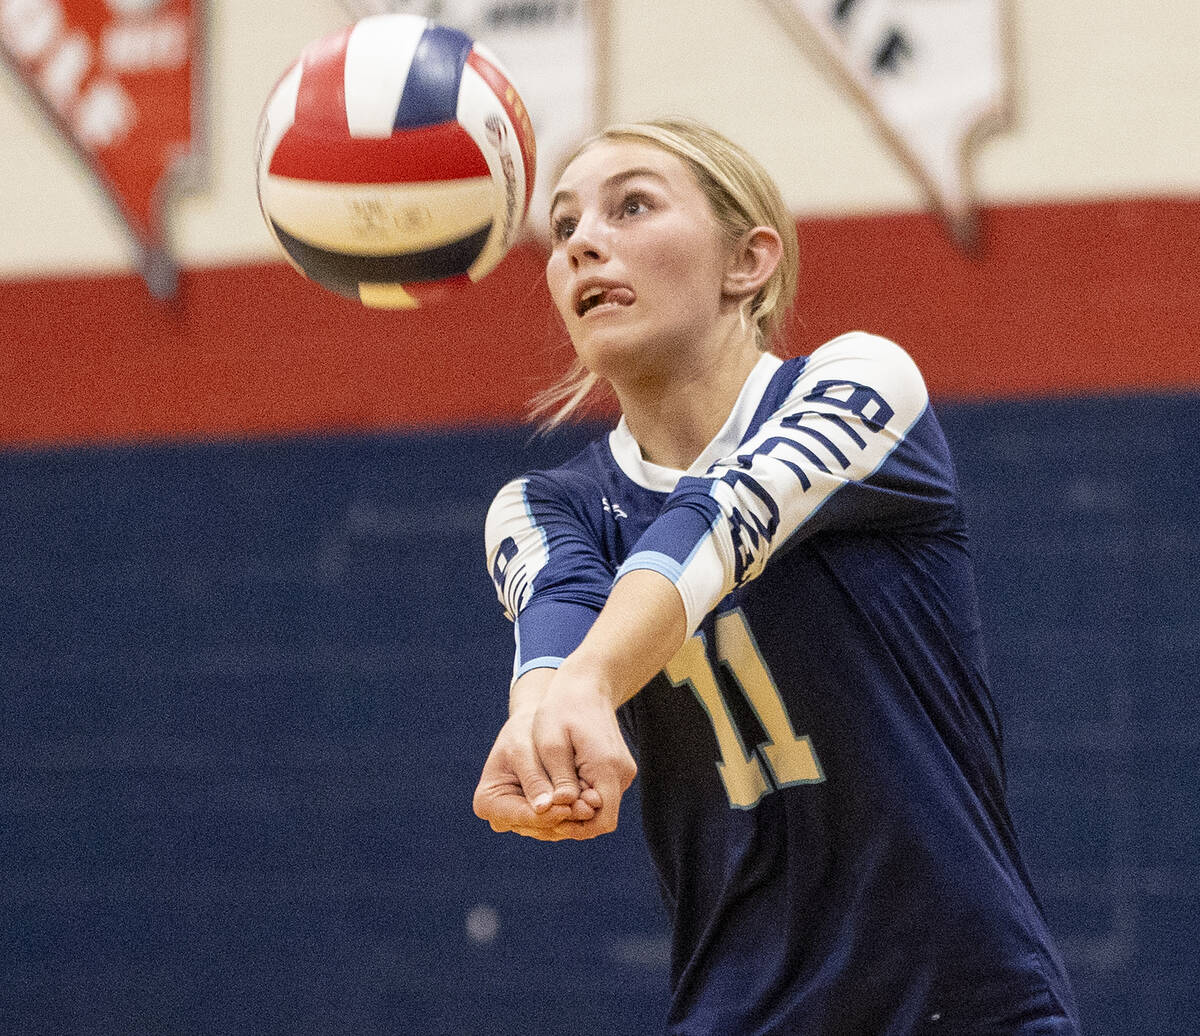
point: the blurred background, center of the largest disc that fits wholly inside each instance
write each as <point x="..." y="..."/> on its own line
<point x="250" y="660"/>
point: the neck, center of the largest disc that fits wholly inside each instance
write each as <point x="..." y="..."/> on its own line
<point x="675" y="415"/>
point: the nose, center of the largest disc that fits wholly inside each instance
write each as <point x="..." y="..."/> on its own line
<point x="587" y="242"/>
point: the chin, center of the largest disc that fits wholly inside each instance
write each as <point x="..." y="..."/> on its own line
<point x="609" y="356"/>
<point x="622" y="357"/>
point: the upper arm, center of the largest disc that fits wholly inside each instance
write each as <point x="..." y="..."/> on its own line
<point x="516" y="545"/>
<point x="547" y="566"/>
<point x="845" y="448"/>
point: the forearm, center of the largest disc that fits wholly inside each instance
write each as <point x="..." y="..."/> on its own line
<point x="639" y="630"/>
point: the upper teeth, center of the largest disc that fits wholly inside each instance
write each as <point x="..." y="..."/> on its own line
<point x="591" y="294"/>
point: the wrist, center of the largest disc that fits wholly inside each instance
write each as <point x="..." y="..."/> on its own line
<point x="528" y="692"/>
<point x="596" y="675"/>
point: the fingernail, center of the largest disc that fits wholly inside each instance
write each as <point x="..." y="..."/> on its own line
<point x="541" y="802"/>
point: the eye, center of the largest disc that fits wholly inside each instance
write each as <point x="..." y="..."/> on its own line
<point x="634" y="204"/>
<point x="562" y="227"/>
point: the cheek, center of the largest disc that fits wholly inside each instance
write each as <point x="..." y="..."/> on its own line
<point x="689" y="271"/>
<point x="676" y="299"/>
<point x="557" y="276"/>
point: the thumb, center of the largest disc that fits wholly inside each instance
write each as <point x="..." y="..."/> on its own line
<point x="535" y="783"/>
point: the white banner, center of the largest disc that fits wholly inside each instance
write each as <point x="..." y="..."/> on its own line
<point x="553" y="52"/>
<point x="933" y="74"/>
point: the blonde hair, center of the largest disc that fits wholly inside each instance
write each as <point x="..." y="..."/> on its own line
<point x="741" y="196"/>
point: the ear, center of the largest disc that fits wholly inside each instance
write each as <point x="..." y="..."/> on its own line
<point x="752" y="260"/>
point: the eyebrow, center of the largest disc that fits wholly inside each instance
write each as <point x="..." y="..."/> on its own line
<point x="610" y="182"/>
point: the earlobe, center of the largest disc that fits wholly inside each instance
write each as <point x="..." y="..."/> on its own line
<point x="752" y="261"/>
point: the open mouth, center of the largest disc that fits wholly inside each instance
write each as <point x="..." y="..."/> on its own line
<point x="600" y="295"/>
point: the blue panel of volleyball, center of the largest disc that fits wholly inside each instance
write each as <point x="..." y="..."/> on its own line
<point x="395" y="159"/>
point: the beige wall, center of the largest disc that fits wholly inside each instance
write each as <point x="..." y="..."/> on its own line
<point x="1108" y="104"/>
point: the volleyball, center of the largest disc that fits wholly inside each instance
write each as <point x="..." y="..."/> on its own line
<point x="395" y="160"/>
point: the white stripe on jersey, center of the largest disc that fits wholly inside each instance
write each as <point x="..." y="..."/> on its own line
<point x="516" y="547"/>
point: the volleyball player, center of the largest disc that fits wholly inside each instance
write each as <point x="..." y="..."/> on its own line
<point x="759" y="581"/>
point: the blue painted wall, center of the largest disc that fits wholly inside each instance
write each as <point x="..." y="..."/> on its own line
<point x="247" y="688"/>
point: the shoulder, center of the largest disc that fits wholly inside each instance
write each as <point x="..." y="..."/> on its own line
<point x="863" y="359"/>
<point x="544" y="494"/>
<point x="858" y="348"/>
<point x="863" y="350"/>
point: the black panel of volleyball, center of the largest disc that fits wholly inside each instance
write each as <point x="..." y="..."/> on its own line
<point x="344" y="274"/>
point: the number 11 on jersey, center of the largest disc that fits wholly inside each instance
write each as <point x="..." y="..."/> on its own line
<point x="789" y="757"/>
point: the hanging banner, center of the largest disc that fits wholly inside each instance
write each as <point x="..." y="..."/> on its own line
<point x="118" y="79"/>
<point x="555" y="51"/>
<point x="933" y="75"/>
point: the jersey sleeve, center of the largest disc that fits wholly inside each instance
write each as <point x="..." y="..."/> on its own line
<point x="547" y="567"/>
<point x="852" y="445"/>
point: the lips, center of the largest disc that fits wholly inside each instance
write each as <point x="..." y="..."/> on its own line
<point x="592" y="294"/>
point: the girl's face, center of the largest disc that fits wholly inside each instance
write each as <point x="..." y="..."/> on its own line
<point x="638" y="262"/>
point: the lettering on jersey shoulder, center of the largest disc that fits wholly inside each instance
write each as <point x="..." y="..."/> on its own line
<point x="823" y="446"/>
<point x="753" y="521"/>
<point x="860" y="400"/>
<point x="504" y="555"/>
<point x="511" y="580"/>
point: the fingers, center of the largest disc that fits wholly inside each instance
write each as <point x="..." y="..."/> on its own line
<point x="501" y="799"/>
<point x="568" y="830"/>
<point x="581" y="761"/>
<point x="560" y="823"/>
<point x="557" y="756"/>
<point x="564" y="790"/>
<point x="507" y="809"/>
<point x="528" y="823"/>
<point x="594" y="813"/>
<point x="606" y="781"/>
<point x="543" y="834"/>
<point x="557" y="771"/>
<point x="582" y="809"/>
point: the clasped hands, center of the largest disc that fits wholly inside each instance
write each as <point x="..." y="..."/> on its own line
<point x="559" y="765"/>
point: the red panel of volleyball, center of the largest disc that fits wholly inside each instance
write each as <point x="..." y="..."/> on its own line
<point x="395" y="159"/>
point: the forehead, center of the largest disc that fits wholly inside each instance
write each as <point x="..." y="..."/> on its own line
<point x="614" y="160"/>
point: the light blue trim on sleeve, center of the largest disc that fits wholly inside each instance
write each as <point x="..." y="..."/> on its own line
<point x="663" y="564"/>
<point x="711" y="529"/>
<point x="532" y="520"/>
<point x="545" y="662"/>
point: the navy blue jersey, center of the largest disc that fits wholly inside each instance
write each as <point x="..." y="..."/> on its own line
<point x="820" y="769"/>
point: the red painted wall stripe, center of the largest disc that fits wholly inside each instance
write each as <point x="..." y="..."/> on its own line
<point x="1081" y="298"/>
<point x="1089" y="298"/>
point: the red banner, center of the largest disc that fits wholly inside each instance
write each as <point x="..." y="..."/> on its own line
<point x="118" y="78"/>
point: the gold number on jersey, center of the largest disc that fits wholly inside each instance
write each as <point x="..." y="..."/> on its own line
<point x="791" y="759"/>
